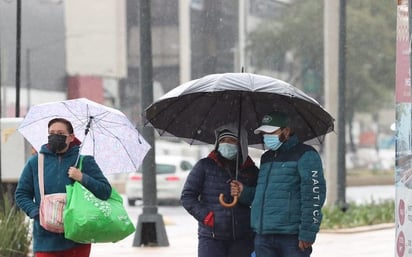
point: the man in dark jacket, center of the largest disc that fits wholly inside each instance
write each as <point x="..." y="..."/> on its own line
<point x="290" y="192"/>
<point x="222" y="232"/>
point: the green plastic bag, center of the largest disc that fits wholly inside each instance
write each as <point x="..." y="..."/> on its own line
<point x="87" y="219"/>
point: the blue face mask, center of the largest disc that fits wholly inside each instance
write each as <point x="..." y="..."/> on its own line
<point x="228" y="151"/>
<point x="272" y="141"/>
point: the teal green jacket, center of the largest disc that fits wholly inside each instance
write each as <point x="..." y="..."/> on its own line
<point x="55" y="180"/>
<point x="290" y="192"/>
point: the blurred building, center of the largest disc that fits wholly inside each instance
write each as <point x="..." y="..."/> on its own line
<point x="91" y="48"/>
<point x="69" y="49"/>
<point x="189" y="39"/>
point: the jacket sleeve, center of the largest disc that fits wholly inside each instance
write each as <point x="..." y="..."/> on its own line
<point x="247" y="195"/>
<point x="191" y="193"/>
<point x="249" y="186"/>
<point x="94" y="179"/>
<point x="313" y="193"/>
<point x="25" y="191"/>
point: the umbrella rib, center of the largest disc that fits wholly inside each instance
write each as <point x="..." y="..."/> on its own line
<point x="256" y="118"/>
<point x="160" y="113"/>
<point x="96" y="124"/>
<point x="36" y="121"/>
<point x="102" y="128"/>
<point x="181" y="110"/>
<point x="303" y="117"/>
<point x="99" y="117"/>
<point x="238" y="136"/>
<point x="214" y="103"/>
<point x="71" y="111"/>
<point x="207" y="114"/>
<point x="306" y="119"/>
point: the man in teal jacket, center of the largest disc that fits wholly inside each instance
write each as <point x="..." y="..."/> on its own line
<point x="290" y="192"/>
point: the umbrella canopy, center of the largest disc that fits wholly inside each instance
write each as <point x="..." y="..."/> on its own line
<point x="106" y="133"/>
<point x="192" y="111"/>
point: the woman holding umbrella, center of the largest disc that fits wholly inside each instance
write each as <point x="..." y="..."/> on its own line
<point x="60" y="155"/>
<point x="222" y="232"/>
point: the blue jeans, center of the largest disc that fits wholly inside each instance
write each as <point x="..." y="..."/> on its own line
<point x="278" y="245"/>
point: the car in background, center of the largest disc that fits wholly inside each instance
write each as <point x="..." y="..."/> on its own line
<point x="171" y="173"/>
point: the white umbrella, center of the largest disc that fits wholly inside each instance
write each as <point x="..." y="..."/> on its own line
<point x="106" y="133"/>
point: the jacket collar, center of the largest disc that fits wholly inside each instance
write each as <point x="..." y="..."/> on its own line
<point x="214" y="155"/>
<point x="288" y="144"/>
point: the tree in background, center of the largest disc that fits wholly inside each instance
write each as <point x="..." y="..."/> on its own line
<point x="370" y="51"/>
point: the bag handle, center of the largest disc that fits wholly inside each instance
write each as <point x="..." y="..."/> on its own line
<point x="81" y="162"/>
<point x="40" y="166"/>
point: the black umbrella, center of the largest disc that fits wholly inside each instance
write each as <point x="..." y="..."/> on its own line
<point x="193" y="110"/>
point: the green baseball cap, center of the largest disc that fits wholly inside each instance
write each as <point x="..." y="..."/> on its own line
<point x="272" y="122"/>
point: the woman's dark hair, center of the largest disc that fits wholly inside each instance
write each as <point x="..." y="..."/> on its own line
<point x="64" y="121"/>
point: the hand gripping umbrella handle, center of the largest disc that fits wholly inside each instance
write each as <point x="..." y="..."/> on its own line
<point x="227" y="205"/>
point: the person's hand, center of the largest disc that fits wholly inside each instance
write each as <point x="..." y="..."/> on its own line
<point x="75" y="173"/>
<point x="236" y="188"/>
<point x="304" y="245"/>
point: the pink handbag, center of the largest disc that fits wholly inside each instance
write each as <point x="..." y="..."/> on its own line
<point x="51" y="205"/>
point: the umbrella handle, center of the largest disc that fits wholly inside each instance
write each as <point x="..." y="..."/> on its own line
<point x="227" y="205"/>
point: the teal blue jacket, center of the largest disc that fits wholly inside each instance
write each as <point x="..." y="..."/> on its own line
<point x="55" y="180"/>
<point x="290" y="192"/>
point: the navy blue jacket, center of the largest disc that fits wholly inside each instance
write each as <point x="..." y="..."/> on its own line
<point x="200" y="195"/>
<point x="55" y="180"/>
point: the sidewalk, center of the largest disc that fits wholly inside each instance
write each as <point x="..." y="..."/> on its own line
<point x="377" y="242"/>
<point x="374" y="242"/>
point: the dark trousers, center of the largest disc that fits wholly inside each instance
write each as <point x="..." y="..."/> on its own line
<point x="79" y="251"/>
<point x="209" y="247"/>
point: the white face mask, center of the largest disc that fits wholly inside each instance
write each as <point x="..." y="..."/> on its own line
<point x="228" y="151"/>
